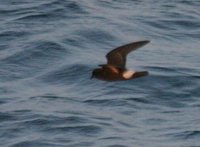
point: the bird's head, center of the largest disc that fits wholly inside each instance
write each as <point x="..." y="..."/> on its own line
<point x="96" y="73"/>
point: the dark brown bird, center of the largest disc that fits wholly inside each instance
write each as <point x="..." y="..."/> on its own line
<point x="115" y="69"/>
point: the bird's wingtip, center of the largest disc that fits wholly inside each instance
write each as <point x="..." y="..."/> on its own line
<point x="146" y="41"/>
<point x="141" y="43"/>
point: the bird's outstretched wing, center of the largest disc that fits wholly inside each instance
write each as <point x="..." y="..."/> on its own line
<point x="117" y="57"/>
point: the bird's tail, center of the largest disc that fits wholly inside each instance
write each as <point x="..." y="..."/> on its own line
<point x="140" y="74"/>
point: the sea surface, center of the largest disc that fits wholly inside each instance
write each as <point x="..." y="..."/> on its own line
<point x="48" y="49"/>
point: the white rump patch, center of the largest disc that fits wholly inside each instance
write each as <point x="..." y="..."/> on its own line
<point x="128" y="74"/>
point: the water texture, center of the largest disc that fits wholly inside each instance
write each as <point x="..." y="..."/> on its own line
<point x="48" y="49"/>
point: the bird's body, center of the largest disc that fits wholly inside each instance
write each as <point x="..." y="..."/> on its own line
<point x="115" y="69"/>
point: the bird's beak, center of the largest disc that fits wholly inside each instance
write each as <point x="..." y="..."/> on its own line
<point x="91" y="77"/>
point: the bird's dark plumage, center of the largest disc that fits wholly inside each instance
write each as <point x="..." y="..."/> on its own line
<point x="115" y="69"/>
<point x="117" y="56"/>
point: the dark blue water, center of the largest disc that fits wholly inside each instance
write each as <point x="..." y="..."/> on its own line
<point x="48" y="49"/>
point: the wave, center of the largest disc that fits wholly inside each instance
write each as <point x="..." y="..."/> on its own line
<point x="48" y="50"/>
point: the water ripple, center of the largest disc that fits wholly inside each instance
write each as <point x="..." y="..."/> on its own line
<point x="49" y="48"/>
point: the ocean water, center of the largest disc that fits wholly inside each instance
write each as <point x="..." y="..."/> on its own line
<point x="48" y="49"/>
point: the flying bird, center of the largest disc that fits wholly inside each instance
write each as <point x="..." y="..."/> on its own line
<point x="115" y="69"/>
